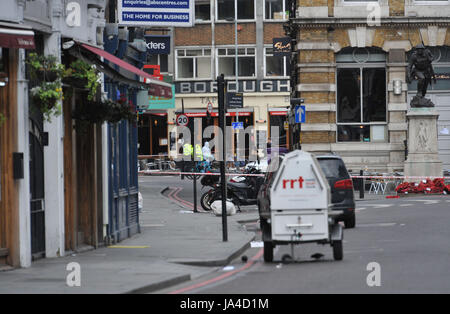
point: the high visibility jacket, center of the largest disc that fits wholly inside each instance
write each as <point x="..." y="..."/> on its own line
<point x="188" y="150"/>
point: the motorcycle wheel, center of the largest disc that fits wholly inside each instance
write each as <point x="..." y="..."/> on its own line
<point x="206" y="200"/>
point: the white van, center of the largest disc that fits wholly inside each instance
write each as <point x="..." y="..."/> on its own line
<point x="295" y="205"/>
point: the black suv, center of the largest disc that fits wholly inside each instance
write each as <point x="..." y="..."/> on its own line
<point x="341" y="185"/>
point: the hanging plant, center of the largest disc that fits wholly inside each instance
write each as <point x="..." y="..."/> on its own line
<point x="97" y="112"/>
<point x="45" y="68"/>
<point x="82" y="75"/>
<point x="46" y="97"/>
<point x="122" y="110"/>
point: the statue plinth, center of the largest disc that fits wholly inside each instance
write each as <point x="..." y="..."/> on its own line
<point x="423" y="154"/>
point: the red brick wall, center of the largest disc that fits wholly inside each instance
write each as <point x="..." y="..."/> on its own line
<point x="225" y="33"/>
<point x="199" y="35"/>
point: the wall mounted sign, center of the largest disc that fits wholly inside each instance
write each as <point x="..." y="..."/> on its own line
<point x="237" y="125"/>
<point x="282" y="47"/>
<point x="235" y="100"/>
<point x="162" y="13"/>
<point x="250" y="86"/>
<point x="300" y="114"/>
<point x="158" y="45"/>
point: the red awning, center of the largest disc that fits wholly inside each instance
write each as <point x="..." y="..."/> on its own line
<point x="16" y="38"/>
<point x="216" y="114"/>
<point x="156" y="87"/>
<point x="278" y="113"/>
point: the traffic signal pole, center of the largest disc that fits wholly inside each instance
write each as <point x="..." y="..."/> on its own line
<point x="223" y="185"/>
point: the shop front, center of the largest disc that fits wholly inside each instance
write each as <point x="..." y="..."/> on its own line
<point x="238" y="121"/>
<point x="14" y="40"/>
<point x="152" y="135"/>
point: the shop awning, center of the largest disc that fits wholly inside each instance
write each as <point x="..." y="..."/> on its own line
<point x="155" y="87"/>
<point x="215" y="114"/>
<point x="16" y="38"/>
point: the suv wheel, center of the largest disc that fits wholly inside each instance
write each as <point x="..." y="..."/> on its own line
<point x="350" y="222"/>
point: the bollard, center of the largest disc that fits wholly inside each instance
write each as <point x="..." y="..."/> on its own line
<point x="361" y="185"/>
<point x="195" y="194"/>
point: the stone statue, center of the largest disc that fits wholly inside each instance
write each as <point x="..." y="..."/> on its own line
<point x="420" y="68"/>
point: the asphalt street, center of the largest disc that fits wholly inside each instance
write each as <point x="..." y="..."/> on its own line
<point x="408" y="238"/>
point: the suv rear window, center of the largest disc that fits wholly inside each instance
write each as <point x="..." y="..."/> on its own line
<point x="334" y="168"/>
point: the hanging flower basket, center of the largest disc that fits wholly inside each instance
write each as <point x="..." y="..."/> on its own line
<point x="46" y="97"/>
<point x="76" y="82"/>
<point x="45" y="68"/>
<point x="84" y="76"/>
<point x="97" y="112"/>
<point x="47" y="76"/>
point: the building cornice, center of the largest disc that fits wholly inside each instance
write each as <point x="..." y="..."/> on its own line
<point x="384" y="22"/>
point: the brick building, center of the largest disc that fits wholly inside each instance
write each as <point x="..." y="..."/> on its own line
<point x="201" y="53"/>
<point x="352" y="75"/>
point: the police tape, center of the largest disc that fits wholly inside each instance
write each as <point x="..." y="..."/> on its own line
<point x="168" y="173"/>
<point x="400" y="177"/>
<point x="234" y="174"/>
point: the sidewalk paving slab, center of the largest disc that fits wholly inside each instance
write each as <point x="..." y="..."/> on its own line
<point x="173" y="247"/>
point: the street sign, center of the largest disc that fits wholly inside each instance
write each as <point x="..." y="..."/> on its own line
<point x="162" y="13"/>
<point x="209" y="108"/>
<point x="158" y="44"/>
<point x="182" y="120"/>
<point x="238" y="125"/>
<point x="235" y="100"/>
<point x="300" y="114"/>
<point x="282" y="47"/>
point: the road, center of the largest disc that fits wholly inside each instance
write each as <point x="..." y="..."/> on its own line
<point x="409" y="238"/>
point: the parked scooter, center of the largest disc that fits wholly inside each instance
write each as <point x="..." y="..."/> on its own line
<point x="241" y="190"/>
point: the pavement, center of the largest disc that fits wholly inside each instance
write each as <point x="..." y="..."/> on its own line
<point x="175" y="245"/>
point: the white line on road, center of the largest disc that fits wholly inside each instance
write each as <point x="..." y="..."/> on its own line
<point x="406" y="205"/>
<point x="380" y="205"/>
<point x="382" y="224"/>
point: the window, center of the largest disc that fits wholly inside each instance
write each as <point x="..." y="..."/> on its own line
<point x="193" y="63"/>
<point x="246" y="62"/>
<point x="202" y="10"/>
<point x="276" y="10"/>
<point x="275" y="66"/>
<point x="245" y="8"/>
<point x="333" y="168"/>
<point x="161" y="60"/>
<point x="361" y="96"/>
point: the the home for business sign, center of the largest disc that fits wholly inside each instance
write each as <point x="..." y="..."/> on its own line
<point x="178" y="13"/>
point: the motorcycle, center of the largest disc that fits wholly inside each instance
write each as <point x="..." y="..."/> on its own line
<point x="241" y="190"/>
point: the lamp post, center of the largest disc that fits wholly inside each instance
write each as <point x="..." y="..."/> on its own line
<point x="236" y="68"/>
